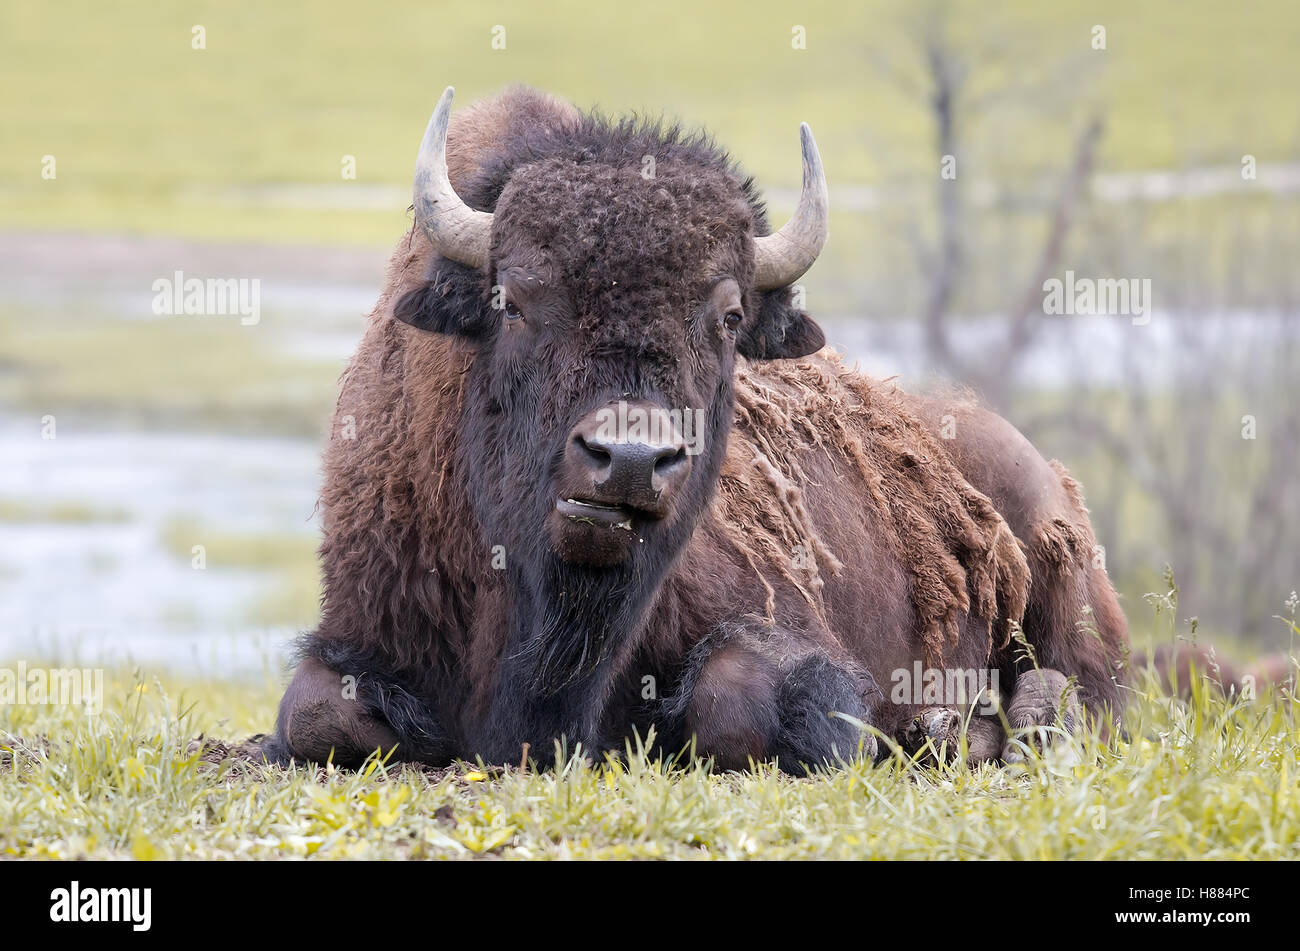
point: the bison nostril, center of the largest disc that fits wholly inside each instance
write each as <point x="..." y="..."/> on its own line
<point x="595" y="456"/>
<point x="669" y="460"/>
<point x="669" y="469"/>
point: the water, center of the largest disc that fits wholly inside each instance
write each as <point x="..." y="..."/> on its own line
<point x="108" y="589"/>
<point x="1093" y="351"/>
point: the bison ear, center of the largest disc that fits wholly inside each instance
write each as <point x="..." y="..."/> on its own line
<point x="451" y="301"/>
<point x="782" y="330"/>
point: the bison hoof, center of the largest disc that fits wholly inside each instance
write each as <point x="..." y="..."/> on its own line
<point x="940" y="727"/>
<point x="1043" y="699"/>
<point x="984" y="740"/>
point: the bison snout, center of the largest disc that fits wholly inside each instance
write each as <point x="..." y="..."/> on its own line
<point x="630" y="454"/>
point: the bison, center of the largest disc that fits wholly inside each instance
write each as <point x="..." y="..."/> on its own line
<point x="593" y="471"/>
<point x="1178" y="666"/>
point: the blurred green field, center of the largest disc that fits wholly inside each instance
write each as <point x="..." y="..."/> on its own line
<point x="195" y="375"/>
<point x="150" y="135"/>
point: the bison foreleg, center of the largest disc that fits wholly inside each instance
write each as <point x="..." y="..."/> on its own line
<point x="763" y="695"/>
<point x="344" y="712"/>
<point x="817" y="698"/>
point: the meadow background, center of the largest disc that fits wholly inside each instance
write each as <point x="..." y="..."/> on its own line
<point x="227" y="161"/>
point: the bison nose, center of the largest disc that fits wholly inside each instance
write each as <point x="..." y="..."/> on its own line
<point x="631" y="454"/>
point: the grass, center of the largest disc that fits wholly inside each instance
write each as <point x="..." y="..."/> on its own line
<point x="1204" y="778"/>
<point x="210" y="375"/>
<point x="22" y="511"/>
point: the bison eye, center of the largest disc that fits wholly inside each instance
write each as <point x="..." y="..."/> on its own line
<point x="512" y="311"/>
<point x="732" y="320"/>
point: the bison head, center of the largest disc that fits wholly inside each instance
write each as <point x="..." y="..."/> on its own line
<point x="607" y="293"/>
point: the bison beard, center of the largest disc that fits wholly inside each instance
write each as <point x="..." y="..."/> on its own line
<point x="825" y="536"/>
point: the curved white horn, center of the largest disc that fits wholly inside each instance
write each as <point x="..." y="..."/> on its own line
<point x="780" y="259"/>
<point x="454" y="229"/>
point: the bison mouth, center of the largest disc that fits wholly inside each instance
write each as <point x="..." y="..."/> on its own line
<point x="587" y="531"/>
<point x="601" y="514"/>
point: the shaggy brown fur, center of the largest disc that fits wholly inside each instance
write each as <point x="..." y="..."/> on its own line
<point x="832" y="539"/>
<point x="960" y="555"/>
<point x="1073" y="619"/>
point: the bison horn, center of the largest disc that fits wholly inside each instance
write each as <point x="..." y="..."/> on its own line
<point x="454" y="229"/>
<point x="781" y="258"/>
